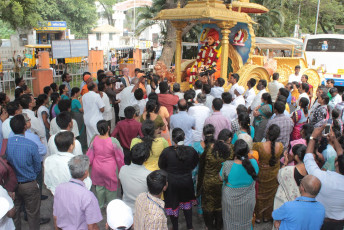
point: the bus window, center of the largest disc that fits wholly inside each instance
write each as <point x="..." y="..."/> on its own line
<point x="334" y="45"/>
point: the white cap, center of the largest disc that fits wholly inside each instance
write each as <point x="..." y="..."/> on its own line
<point x="4" y="207"/>
<point x="240" y="89"/>
<point x="119" y="214"/>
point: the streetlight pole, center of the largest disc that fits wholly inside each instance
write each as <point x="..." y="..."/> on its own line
<point x="316" y="22"/>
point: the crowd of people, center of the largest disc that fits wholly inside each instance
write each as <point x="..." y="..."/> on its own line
<point x="144" y="150"/>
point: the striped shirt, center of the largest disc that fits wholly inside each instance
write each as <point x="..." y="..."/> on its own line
<point x="149" y="213"/>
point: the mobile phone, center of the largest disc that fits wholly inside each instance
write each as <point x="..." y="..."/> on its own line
<point x="328" y="127"/>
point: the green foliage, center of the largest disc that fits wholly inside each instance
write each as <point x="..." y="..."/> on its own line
<point x="5" y="30"/>
<point x="19" y="13"/>
<point x="80" y="15"/>
<point x="280" y="21"/>
<point x="108" y="11"/>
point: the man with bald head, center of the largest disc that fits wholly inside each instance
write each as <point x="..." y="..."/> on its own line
<point x="184" y="121"/>
<point x="304" y="212"/>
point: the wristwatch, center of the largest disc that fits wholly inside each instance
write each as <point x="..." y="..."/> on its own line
<point x="313" y="138"/>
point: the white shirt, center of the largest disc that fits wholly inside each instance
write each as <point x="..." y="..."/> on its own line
<point x="40" y="110"/>
<point x="5" y="222"/>
<point x="217" y="91"/>
<point x="52" y="149"/>
<point x="231" y="91"/>
<point x="257" y="99"/>
<point x="107" y="115"/>
<point x="141" y="104"/>
<point x="331" y="194"/>
<point x="293" y="77"/>
<point x="238" y="101"/>
<point x="56" y="171"/>
<point x="55" y="129"/>
<point x="200" y="112"/>
<point x="126" y="97"/>
<point x="229" y="111"/>
<point x="180" y="95"/>
<point x="134" y="181"/>
<point x="209" y="102"/>
<point x="334" y="101"/>
<point x="305" y="95"/>
<point x="249" y="96"/>
<point x="92" y="103"/>
<point x="6" y="128"/>
<point x="274" y="87"/>
<point x="36" y="126"/>
<point x="197" y="92"/>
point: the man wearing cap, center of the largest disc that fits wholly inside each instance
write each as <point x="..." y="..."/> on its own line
<point x="119" y="215"/>
<point x="87" y="79"/>
<point x="7" y="210"/>
<point x="239" y="99"/>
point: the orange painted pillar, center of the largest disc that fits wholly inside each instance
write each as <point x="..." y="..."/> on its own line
<point x="95" y="62"/>
<point x="137" y="56"/>
<point x="43" y="76"/>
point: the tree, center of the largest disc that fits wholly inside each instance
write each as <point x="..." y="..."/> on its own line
<point x="5" y="30"/>
<point x="19" y="13"/>
<point x="108" y="11"/>
<point x="80" y="15"/>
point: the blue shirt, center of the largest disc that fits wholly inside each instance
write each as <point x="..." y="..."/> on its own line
<point x="1" y="136"/>
<point x="22" y="154"/>
<point x="303" y="213"/>
<point x="186" y="123"/>
<point x="235" y="136"/>
<point x="42" y="149"/>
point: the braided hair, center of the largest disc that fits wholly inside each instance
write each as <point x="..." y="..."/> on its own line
<point x="304" y="104"/>
<point x="150" y="108"/>
<point x="220" y="148"/>
<point x="177" y="136"/>
<point x="241" y="151"/>
<point x="244" y="121"/>
<point x="209" y="139"/>
<point x="54" y="100"/>
<point x="148" y="131"/>
<point x="272" y="134"/>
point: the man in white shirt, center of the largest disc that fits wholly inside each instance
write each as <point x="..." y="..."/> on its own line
<point x="107" y="114"/>
<point x="7" y="210"/>
<point x="176" y="91"/>
<point x="274" y="86"/>
<point x="64" y="121"/>
<point x="56" y="170"/>
<point x="258" y="98"/>
<point x="133" y="177"/>
<point x="331" y="194"/>
<point x="198" y="88"/>
<point x="138" y="94"/>
<point x="28" y="103"/>
<point x="239" y="99"/>
<point x="228" y="110"/>
<point x="217" y="90"/>
<point x="234" y="81"/>
<point x="200" y="112"/>
<point x="296" y="76"/>
<point x="64" y="106"/>
<point x="12" y="109"/>
<point x="93" y="110"/>
<point x="304" y="88"/>
<point x="126" y="97"/>
<point x="336" y="98"/>
<point x="250" y="93"/>
<point x="209" y="101"/>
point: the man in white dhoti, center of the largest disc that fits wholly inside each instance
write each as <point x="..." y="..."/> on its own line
<point x="93" y="109"/>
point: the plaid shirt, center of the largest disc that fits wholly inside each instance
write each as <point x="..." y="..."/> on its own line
<point x="149" y="213"/>
<point x="235" y="126"/>
<point x="286" y="125"/>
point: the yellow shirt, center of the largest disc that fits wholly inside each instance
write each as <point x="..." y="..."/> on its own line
<point x="159" y="144"/>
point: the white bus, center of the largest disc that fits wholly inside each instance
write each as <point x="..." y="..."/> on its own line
<point x="325" y="53"/>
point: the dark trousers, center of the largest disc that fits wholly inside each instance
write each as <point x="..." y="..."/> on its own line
<point x="28" y="194"/>
<point x="116" y="108"/>
<point x="332" y="225"/>
<point x="127" y="158"/>
<point x="213" y="220"/>
<point x="188" y="219"/>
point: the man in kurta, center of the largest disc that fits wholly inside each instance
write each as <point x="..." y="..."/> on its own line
<point x="93" y="109"/>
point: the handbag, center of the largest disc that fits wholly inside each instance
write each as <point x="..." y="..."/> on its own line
<point x="8" y="177"/>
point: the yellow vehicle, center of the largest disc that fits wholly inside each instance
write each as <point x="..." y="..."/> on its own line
<point x="31" y="53"/>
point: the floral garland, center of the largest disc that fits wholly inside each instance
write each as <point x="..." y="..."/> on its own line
<point x="212" y="53"/>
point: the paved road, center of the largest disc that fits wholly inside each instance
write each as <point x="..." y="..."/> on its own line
<point x="47" y="211"/>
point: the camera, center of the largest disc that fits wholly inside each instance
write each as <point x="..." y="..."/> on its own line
<point x="207" y="72"/>
<point x="148" y="75"/>
<point x="116" y="79"/>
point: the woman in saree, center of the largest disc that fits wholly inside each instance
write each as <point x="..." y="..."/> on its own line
<point x="299" y="118"/>
<point x="238" y="190"/>
<point x="269" y="153"/>
<point x="262" y="115"/>
<point x="77" y="114"/>
<point x="322" y="111"/>
<point x="289" y="177"/>
<point x="304" y="79"/>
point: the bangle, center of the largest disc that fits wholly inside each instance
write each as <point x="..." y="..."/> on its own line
<point x="313" y="138"/>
